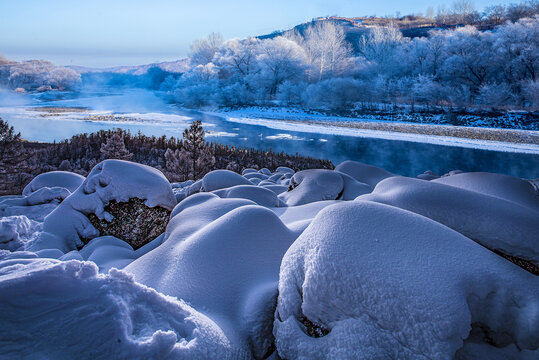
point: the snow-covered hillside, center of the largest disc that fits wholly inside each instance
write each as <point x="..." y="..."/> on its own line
<point x="351" y="263"/>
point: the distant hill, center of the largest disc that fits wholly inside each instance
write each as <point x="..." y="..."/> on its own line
<point x="410" y="26"/>
<point x="178" y="66"/>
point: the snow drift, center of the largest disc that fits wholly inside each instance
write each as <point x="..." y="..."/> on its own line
<point x="351" y="263"/>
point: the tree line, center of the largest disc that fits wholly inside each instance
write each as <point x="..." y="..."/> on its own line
<point x="319" y="68"/>
<point x="37" y="75"/>
<point x="179" y="159"/>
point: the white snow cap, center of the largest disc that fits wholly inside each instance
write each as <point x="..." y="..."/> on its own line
<point x="381" y="282"/>
<point x="219" y="179"/>
<point x="260" y="195"/>
<point x="364" y="173"/>
<point x="317" y="185"/>
<point x="494" y="222"/>
<point x="227" y="268"/>
<point x="65" y="179"/>
<point x="109" y="180"/>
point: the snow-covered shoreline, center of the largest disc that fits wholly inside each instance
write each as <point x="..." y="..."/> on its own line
<point x="311" y="123"/>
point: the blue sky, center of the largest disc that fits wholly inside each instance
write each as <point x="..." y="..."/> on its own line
<point x="128" y="32"/>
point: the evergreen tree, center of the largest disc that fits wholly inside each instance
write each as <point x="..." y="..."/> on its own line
<point x="197" y="151"/>
<point x="10" y="144"/>
<point x="115" y="148"/>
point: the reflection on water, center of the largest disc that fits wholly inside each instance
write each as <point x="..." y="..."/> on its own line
<point x="401" y="157"/>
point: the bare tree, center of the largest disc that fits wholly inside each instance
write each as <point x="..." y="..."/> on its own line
<point x="464" y="11"/>
<point x="327" y="51"/>
<point x="203" y="50"/>
<point x="495" y="14"/>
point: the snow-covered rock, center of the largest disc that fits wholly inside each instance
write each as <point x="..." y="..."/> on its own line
<point x="364" y="173"/>
<point x="228" y="268"/>
<point x="220" y="179"/>
<point x="65" y="179"/>
<point x="494" y="222"/>
<point x="371" y="281"/>
<point x="68" y="226"/>
<point x="498" y="185"/>
<point x="428" y="175"/>
<point x="55" y="309"/>
<point x="261" y="196"/>
<point x="15" y="231"/>
<point x="316" y="185"/>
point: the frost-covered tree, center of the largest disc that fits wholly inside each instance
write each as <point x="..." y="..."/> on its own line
<point x="279" y="60"/>
<point x="203" y="50"/>
<point x="11" y="149"/>
<point x="327" y="52"/>
<point x="382" y="46"/>
<point x="237" y="59"/>
<point x="178" y="164"/>
<point x="115" y="148"/>
<point x="197" y="151"/>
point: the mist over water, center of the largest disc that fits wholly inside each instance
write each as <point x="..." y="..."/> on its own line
<point x="153" y="116"/>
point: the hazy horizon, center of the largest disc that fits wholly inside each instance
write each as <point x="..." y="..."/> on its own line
<point x="102" y="34"/>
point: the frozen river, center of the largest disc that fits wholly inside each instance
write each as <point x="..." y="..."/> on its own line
<point x="143" y="111"/>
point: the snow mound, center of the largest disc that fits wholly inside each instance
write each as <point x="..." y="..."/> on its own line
<point x="15" y="231"/>
<point x="316" y="185"/>
<point x="277" y="189"/>
<point x="228" y="269"/>
<point x="197" y="211"/>
<point x="364" y="173"/>
<point x="65" y="179"/>
<point x="494" y="222"/>
<point x="260" y="195"/>
<point x="35" y="205"/>
<point x="284" y="170"/>
<point x="368" y="280"/>
<point x="502" y="186"/>
<point x="53" y="309"/>
<point x="220" y="179"/>
<point x="111" y="180"/>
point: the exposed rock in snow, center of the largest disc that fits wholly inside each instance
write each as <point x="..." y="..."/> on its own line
<point x="68" y="226"/>
<point x="132" y="221"/>
<point x="68" y="180"/>
<point x="494" y="222"/>
<point x="69" y="311"/>
<point x="368" y="280"/>
<point x="398" y="273"/>
<point x="220" y="179"/>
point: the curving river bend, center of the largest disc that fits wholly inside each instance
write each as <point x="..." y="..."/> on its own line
<point x="144" y="111"/>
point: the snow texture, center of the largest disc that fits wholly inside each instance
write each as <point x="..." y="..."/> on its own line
<point x="492" y="221"/>
<point x="69" y="310"/>
<point x="351" y="263"/>
<point x="317" y="185"/>
<point x="64" y="179"/>
<point x="409" y="288"/>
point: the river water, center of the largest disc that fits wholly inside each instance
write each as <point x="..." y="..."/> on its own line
<point x="146" y="112"/>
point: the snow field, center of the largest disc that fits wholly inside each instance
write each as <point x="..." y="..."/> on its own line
<point x="354" y="263"/>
